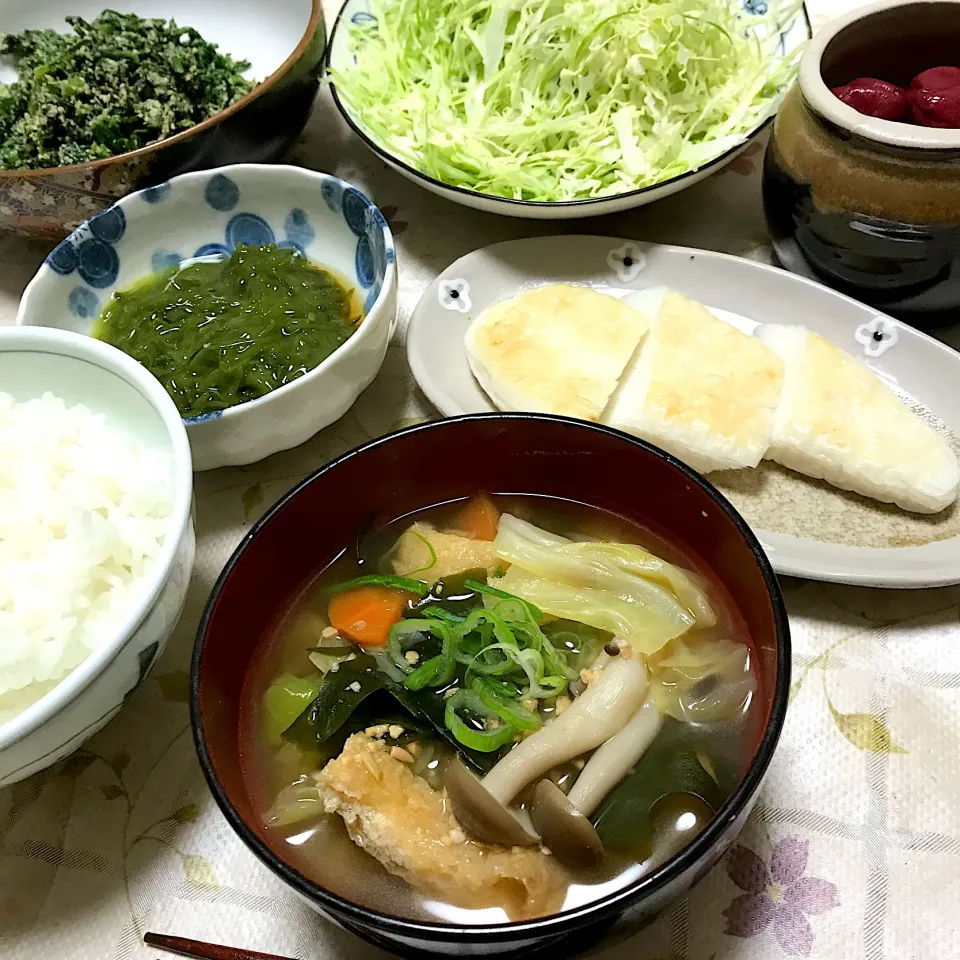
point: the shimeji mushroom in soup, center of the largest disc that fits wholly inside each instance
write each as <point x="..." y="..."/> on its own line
<point x="495" y="709"/>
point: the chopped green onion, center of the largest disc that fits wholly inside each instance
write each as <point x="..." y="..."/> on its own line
<point x="480" y="662"/>
<point x="439" y="670"/>
<point x="555" y="662"/>
<point x="503" y="595"/>
<point x="433" y="553"/>
<point x="424" y="675"/>
<point x="499" y="698"/>
<point x="483" y="617"/>
<point x="395" y="639"/>
<point x="486" y="741"/>
<point x="419" y="587"/>
<point x="436" y="672"/>
<point x="441" y="613"/>
<point x="498" y="657"/>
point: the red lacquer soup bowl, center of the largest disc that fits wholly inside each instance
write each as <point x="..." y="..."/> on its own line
<point x="441" y="462"/>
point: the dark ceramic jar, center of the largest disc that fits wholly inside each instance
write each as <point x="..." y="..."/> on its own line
<point x="871" y="207"/>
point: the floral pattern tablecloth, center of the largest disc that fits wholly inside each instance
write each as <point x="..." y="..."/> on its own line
<point x="852" y="853"/>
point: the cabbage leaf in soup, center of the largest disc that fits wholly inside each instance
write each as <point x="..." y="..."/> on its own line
<point x="701" y="680"/>
<point x="616" y="587"/>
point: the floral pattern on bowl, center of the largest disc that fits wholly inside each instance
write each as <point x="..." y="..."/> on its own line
<point x="208" y="214"/>
<point x="91" y="251"/>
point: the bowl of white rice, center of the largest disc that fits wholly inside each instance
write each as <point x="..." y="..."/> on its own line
<point x="96" y="538"/>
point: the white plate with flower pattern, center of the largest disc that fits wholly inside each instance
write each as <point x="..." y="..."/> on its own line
<point x="808" y="528"/>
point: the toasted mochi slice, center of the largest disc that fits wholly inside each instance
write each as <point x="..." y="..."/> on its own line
<point x="401" y="820"/>
<point x="697" y="387"/>
<point x="554" y="349"/>
<point x="839" y="423"/>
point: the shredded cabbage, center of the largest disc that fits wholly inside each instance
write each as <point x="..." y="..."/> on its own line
<point x="553" y="100"/>
<point x="617" y="587"/>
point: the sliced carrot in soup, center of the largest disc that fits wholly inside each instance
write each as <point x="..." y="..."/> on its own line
<point x="479" y="517"/>
<point x="366" y="614"/>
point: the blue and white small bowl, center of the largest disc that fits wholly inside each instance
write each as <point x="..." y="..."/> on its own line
<point x="208" y="213"/>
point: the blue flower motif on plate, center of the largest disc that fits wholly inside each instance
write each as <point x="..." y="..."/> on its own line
<point x="248" y="229"/>
<point x="63" y="259"/>
<point x="363" y="263"/>
<point x="163" y="260"/>
<point x="89" y="250"/>
<point x="355" y="206"/>
<point x="212" y="415"/>
<point x="83" y="303"/>
<point x="97" y="263"/>
<point x="378" y="247"/>
<point x="298" y="229"/>
<point x="108" y="226"/>
<point x="361" y="17"/>
<point x="332" y="193"/>
<point x="221" y="193"/>
<point x="156" y="194"/>
<point x="755" y="7"/>
<point x="212" y="250"/>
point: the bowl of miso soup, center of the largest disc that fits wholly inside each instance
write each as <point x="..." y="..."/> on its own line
<point x="261" y="297"/>
<point x="491" y="684"/>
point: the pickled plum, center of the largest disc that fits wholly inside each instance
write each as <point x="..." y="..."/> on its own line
<point x="932" y="100"/>
<point x="935" y="108"/>
<point x="874" y="98"/>
<point x="936" y="79"/>
<point x="934" y="97"/>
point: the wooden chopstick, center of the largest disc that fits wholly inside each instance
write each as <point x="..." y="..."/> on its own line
<point x="199" y="950"/>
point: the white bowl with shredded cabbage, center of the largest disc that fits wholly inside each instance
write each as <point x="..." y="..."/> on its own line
<point x="555" y="109"/>
<point x="96" y="538"/>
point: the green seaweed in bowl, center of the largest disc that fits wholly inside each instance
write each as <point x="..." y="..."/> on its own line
<point x="217" y="334"/>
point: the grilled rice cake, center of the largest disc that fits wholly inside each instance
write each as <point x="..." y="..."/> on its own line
<point x="554" y="349"/>
<point x="838" y="422"/>
<point x="697" y="386"/>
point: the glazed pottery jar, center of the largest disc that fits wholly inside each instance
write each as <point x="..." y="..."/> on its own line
<point x="868" y="206"/>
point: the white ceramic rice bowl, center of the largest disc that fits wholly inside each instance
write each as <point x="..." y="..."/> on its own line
<point x="207" y="213"/>
<point x="78" y="369"/>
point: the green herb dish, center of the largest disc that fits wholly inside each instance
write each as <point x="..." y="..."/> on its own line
<point x="217" y="334"/>
<point x="106" y="103"/>
<point x="115" y="84"/>
<point x="620" y="102"/>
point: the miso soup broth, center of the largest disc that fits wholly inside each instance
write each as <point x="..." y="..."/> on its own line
<point x="498" y="708"/>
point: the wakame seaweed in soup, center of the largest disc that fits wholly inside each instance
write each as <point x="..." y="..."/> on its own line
<point x="501" y="704"/>
<point x="217" y="334"/>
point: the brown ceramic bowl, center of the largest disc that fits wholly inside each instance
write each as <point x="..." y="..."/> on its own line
<point x="448" y="459"/>
<point x="285" y="42"/>
<point x="871" y="207"/>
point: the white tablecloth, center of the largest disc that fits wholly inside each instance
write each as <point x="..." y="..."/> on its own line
<point x="852" y="853"/>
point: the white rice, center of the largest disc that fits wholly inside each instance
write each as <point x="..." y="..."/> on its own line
<point x="84" y="510"/>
